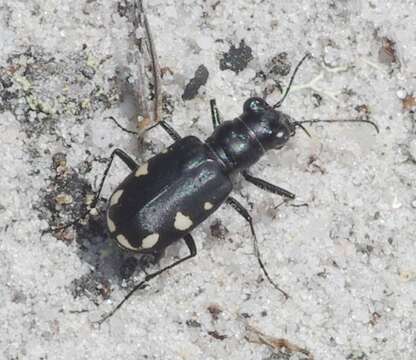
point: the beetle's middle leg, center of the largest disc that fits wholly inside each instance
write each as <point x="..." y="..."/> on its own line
<point x="245" y="214"/>
<point x="169" y="130"/>
<point x="150" y="259"/>
<point x="264" y="185"/>
<point x="190" y="243"/>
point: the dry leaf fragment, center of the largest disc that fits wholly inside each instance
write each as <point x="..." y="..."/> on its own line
<point x="256" y="336"/>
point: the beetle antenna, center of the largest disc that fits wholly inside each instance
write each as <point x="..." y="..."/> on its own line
<point x="299" y="123"/>
<point x="280" y="102"/>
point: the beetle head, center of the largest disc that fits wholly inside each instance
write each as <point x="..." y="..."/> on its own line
<point x="272" y="128"/>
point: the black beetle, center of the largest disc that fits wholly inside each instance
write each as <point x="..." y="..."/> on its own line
<point x="165" y="198"/>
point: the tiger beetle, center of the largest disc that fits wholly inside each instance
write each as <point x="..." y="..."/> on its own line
<point x="165" y="198"/>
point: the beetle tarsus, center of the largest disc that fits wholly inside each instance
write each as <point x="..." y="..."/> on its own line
<point x="121" y="126"/>
<point x="142" y="285"/>
<point x="190" y="243"/>
<point x="244" y="213"/>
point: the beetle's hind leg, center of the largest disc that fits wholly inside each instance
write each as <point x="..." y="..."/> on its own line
<point x="126" y="159"/>
<point x="147" y="260"/>
<point x="190" y="243"/>
<point x="266" y="186"/>
<point x="245" y="214"/>
<point x="165" y="126"/>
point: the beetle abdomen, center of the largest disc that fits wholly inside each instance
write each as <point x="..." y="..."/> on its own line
<point x="167" y="197"/>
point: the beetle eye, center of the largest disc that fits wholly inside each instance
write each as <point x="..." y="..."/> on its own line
<point x="255" y="105"/>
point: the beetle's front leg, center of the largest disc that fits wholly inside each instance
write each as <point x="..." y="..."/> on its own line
<point x="215" y="114"/>
<point x="264" y="185"/>
<point x="245" y="214"/>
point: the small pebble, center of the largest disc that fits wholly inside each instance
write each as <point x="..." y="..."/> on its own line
<point x="396" y="203"/>
<point x="64" y="199"/>
<point x="401" y="94"/>
<point x="94" y="212"/>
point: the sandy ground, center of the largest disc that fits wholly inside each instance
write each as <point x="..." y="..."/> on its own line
<point x="344" y="250"/>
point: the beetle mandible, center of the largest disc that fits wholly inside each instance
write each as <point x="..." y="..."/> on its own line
<point x="164" y="199"/>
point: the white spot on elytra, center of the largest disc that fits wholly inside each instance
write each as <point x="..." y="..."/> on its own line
<point x="122" y="240"/>
<point x="182" y="222"/>
<point x="142" y="170"/>
<point x="116" y="197"/>
<point x="110" y="224"/>
<point x="150" y="240"/>
<point x="208" y="206"/>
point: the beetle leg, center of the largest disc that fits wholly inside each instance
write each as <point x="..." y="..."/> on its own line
<point x="190" y="243"/>
<point x="150" y="259"/>
<point x="169" y="130"/>
<point x="245" y="214"/>
<point x="215" y="114"/>
<point x="264" y="185"/>
<point x="131" y="165"/>
<point x="125" y="158"/>
<point x="121" y="126"/>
